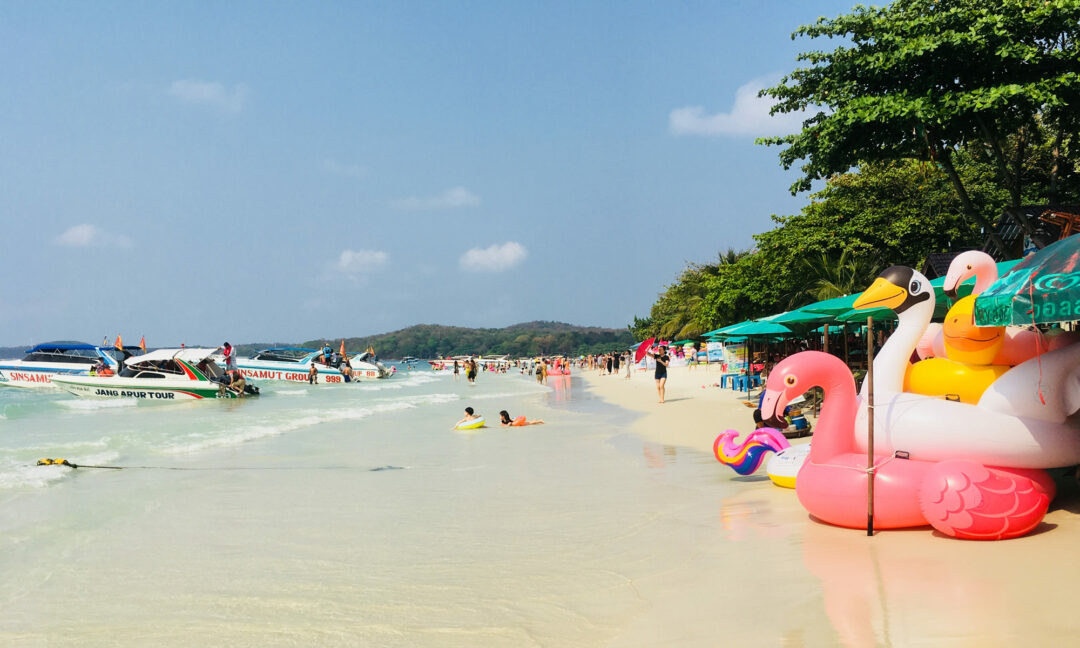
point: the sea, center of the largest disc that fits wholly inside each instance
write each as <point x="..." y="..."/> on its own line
<point x="342" y="515"/>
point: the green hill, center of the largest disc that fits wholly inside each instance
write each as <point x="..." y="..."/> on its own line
<point x="519" y="340"/>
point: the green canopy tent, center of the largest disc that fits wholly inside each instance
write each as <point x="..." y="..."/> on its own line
<point x="1043" y="288"/>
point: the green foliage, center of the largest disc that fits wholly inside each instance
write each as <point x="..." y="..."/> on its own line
<point x="885" y="213"/>
<point x="922" y="79"/>
<point x="519" y="340"/>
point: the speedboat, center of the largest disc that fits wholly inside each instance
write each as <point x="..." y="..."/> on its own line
<point x="162" y="375"/>
<point x="294" y="364"/>
<point x="44" y="361"/>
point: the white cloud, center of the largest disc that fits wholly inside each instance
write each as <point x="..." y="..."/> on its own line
<point x="210" y="94"/>
<point x="354" y="171"/>
<point x="495" y="258"/>
<point x="749" y="116"/>
<point x="449" y="199"/>
<point x="358" y="262"/>
<point x="87" y="235"/>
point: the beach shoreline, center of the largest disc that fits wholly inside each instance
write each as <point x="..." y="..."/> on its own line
<point x="840" y="587"/>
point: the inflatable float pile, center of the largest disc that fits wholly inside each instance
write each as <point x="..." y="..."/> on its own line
<point x="971" y="468"/>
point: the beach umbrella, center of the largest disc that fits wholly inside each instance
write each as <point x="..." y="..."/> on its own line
<point x="833" y="306"/>
<point x="1043" y="288"/>
<point x="761" y="328"/>
<point x="642" y="349"/>
<point x="723" y="331"/>
<point x="879" y="315"/>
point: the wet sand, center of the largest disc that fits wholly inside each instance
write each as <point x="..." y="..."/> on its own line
<point x="800" y="582"/>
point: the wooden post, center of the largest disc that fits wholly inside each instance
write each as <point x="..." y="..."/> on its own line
<point x="846" y="360"/>
<point x="870" y="426"/>
<point x="825" y="346"/>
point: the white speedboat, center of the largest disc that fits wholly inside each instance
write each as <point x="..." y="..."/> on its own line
<point x="294" y="364"/>
<point x="41" y="363"/>
<point x="162" y="375"/>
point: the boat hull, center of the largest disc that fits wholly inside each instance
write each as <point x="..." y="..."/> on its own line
<point x="35" y="377"/>
<point x="159" y="390"/>
<point x="298" y="372"/>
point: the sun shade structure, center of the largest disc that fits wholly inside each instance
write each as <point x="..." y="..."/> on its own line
<point x="1043" y="288"/>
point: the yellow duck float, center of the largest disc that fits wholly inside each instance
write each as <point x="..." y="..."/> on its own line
<point x="967" y="371"/>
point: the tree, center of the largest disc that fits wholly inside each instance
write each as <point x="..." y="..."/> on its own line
<point x="825" y="276"/>
<point x="919" y="79"/>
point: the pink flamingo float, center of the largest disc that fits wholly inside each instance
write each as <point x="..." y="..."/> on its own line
<point x="958" y="497"/>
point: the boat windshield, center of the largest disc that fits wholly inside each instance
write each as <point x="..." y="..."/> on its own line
<point x="282" y="355"/>
<point x="164" y="366"/>
<point x="87" y="355"/>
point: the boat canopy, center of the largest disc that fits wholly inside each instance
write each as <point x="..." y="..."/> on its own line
<point x="185" y="354"/>
<point x="285" y="354"/>
<point x="62" y="346"/>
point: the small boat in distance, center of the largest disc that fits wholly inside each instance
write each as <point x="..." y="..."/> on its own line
<point x="36" y="369"/>
<point x="162" y="375"/>
<point x="294" y="363"/>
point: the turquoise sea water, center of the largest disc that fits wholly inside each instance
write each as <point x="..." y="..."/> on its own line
<point x="336" y="515"/>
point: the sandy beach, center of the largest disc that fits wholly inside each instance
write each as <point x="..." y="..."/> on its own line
<point x="813" y="584"/>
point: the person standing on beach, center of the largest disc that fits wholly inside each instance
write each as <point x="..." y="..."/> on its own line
<point x="627" y="363"/>
<point x="660" y="375"/>
<point x="615" y="363"/>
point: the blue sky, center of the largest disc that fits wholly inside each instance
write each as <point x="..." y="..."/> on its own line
<point x="281" y="171"/>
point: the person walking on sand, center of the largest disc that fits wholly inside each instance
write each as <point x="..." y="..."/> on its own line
<point x="627" y="363"/>
<point x="615" y="357"/>
<point x="660" y="375"/>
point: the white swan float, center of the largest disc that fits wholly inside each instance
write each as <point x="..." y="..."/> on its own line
<point x="1026" y="419"/>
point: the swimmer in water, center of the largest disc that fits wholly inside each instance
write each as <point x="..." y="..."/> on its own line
<point x="470" y="415"/>
<point x="505" y="420"/>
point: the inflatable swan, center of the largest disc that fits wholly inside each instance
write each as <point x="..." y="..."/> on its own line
<point x="960" y="498"/>
<point x="1025" y="419"/>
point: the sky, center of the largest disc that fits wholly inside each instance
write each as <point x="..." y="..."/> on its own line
<point x="253" y="171"/>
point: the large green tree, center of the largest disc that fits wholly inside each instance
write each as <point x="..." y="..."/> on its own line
<point x="922" y="79"/>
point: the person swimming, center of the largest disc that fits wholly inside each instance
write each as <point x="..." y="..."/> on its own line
<point x="470" y="415"/>
<point x="505" y="420"/>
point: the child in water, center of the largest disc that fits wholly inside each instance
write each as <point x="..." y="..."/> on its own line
<point x="470" y="415"/>
<point x="505" y="420"/>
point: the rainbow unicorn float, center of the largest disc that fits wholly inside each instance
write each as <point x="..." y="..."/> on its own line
<point x="746" y="456"/>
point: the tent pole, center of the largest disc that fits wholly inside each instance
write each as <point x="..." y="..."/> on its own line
<point x="870" y="425"/>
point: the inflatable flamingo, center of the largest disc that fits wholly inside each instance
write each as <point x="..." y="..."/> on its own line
<point x="960" y="498"/>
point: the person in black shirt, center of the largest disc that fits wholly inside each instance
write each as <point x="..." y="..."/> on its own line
<point x="660" y="374"/>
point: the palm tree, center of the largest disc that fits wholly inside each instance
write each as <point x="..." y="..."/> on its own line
<point x="826" y="276"/>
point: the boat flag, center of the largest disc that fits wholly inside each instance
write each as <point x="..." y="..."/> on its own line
<point x="142" y="344"/>
<point x="105" y="341"/>
<point x="342" y="348"/>
<point x="119" y="343"/>
<point x="371" y="349"/>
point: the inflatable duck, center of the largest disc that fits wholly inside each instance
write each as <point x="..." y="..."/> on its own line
<point x="967" y="371"/>
<point x="1020" y="343"/>
<point x="1024" y="419"/>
